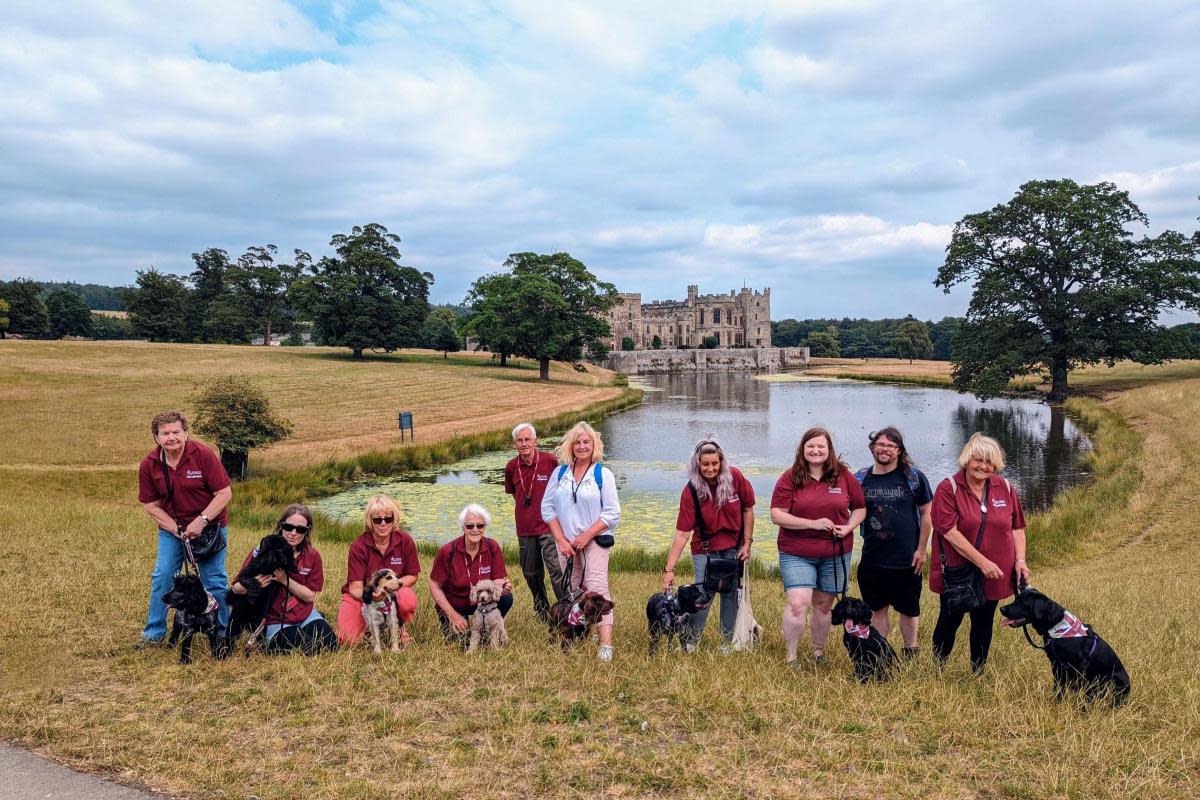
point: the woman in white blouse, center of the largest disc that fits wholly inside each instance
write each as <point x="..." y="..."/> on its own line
<point x="582" y="510"/>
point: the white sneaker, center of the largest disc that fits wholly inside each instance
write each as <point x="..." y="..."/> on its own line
<point x="604" y="653"/>
<point x="689" y="647"/>
<point x="726" y="649"/>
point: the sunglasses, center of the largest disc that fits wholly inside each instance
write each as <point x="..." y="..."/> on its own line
<point x="288" y="527"/>
<point x="382" y="520"/>
<point x="474" y="526"/>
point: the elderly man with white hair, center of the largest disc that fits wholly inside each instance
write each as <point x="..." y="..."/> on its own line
<point x="461" y="563"/>
<point x="525" y="478"/>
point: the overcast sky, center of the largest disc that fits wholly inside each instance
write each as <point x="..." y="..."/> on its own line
<point x="824" y="149"/>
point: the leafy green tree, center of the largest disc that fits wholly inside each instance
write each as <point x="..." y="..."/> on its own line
<point x="1060" y="282"/>
<point x="912" y="340"/>
<point x="27" y="314"/>
<point x="559" y="304"/>
<point x="364" y="298"/>
<point x="258" y="288"/>
<point x="94" y="296"/>
<point x="208" y="287"/>
<point x="440" y="332"/>
<point x="627" y="343"/>
<point x="942" y="333"/>
<point x="156" y="307"/>
<point x="69" y="315"/>
<point x="711" y="343"/>
<point x="233" y="413"/>
<point x="3" y="317"/>
<point x="105" y="327"/>
<point x="656" y="342"/>
<point x="824" y="344"/>
<point x="496" y="303"/>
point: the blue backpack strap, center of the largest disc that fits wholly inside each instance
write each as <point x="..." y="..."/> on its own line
<point x="861" y="474"/>
<point x="562" y="470"/>
<point x="598" y="474"/>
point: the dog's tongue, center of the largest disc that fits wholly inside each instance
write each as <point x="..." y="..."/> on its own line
<point x="1011" y="623"/>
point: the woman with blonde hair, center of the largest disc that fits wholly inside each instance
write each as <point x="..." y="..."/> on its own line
<point x="581" y="507"/>
<point x="976" y="512"/>
<point x="382" y="545"/>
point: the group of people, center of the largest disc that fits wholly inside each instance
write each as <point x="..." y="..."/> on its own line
<point x="567" y="510"/>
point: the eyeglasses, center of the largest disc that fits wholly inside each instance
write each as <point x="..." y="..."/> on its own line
<point x="288" y="527"/>
<point x="883" y="446"/>
<point x="382" y="520"/>
<point x="474" y="526"/>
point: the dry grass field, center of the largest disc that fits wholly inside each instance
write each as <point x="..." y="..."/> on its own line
<point x="76" y="552"/>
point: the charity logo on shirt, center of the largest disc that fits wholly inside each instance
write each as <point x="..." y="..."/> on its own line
<point x="485" y="570"/>
<point x="835" y="490"/>
<point x="396" y="560"/>
<point x="999" y="503"/>
<point x="305" y="570"/>
<point x="195" y="475"/>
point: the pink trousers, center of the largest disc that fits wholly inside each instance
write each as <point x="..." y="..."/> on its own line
<point x="352" y="626"/>
<point x="593" y="577"/>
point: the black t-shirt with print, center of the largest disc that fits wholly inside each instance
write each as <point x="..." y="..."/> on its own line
<point x="892" y="527"/>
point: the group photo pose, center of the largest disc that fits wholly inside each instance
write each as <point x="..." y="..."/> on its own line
<point x="382" y="546"/>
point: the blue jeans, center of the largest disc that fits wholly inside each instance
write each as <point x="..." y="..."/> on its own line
<point x="729" y="600"/>
<point x="169" y="562"/>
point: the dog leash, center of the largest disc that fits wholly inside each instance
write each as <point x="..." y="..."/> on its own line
<point x="841" y="549"/>
<point x="1021" y="585"/>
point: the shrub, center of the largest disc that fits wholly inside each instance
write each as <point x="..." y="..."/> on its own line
<point x="234" y="414"/>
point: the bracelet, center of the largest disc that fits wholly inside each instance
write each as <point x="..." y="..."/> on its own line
<point x="669" y="569"/>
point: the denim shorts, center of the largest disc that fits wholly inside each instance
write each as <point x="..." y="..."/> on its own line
<point x="801" y="572"/>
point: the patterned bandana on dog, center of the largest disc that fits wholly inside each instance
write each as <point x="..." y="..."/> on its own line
<point x="575" y="616"/>
<point x="384" y="606"/>
<point x="1069" y="628"/>
<point x="855" y="629"/>
<point x="212" y="606"/>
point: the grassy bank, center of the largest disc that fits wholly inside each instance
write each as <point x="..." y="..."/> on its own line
<point x="434" y="723"/>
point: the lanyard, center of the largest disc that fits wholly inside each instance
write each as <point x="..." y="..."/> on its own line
<point x="527" y="493"/>
<point x="467" y="559"/>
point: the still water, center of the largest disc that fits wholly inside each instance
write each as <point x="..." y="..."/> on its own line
<point x="758" y="422"/>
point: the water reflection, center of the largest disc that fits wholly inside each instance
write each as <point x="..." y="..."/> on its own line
<point x="759" y="424"/>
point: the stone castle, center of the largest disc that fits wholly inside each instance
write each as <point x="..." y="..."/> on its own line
<point x="737" y="319"/>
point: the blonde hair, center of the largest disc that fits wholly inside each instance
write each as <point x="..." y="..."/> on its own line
<point x="985" y="447"/>
<point x="565" y="450"/>
<point x="381" y="502"/>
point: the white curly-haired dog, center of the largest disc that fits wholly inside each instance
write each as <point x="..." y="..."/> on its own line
<point x="487" y="623"/>
<point x="379" y="607"/>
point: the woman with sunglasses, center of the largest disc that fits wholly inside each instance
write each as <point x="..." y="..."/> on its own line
<point x="293" y="622"/>
<point x="382" y="545"/>
<point x="461" y="563"/>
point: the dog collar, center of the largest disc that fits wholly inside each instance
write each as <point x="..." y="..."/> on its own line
<point x="859" y="631"/>
<point x="487" y="608"/>
<point x="1069" y="628"/>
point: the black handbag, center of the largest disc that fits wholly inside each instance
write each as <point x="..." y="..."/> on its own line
<point x="210" y="541"/>
<point x="720" y="574"/>
<point x="962" y="586"/>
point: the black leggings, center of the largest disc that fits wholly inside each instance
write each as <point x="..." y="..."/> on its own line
<point x="981" y="633"/>
<point x="310" y="639"/>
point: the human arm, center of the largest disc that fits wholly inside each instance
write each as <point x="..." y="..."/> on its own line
<point x="297" y="589"/>
<point x="967" y="550"/>
<point x="161" y="517"/>
<point x="215" y="506"/>
<point x="677" y="545"/>
<point x="783" y="519"/>
<point x="919" y="555"/>
<point x="856" y="503"/>
<point x="746" y="493"/>
<point x="457" y="621"/>
<point x="1021" y="567"/>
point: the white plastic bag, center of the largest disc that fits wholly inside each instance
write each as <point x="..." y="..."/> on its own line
<point x="747" y="633"/>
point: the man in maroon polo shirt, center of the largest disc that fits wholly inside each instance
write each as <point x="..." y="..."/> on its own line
<point x="525" y="477"/>
<point x="199" y="494"/>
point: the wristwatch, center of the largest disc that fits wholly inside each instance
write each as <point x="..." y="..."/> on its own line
<point x="205" y="518"/>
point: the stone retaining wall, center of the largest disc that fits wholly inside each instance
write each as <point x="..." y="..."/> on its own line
<point x="753" y="359"/>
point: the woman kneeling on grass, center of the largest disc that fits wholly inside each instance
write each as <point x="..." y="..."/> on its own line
<point x="994" y="542"/>
<point x="382" y="545"/>
<point x="293" y="622"/>
<point x="817" y="504"/>
<point x="460" y="564"/>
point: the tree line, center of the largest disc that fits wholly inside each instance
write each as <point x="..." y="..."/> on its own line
<point x="868" y="338"/>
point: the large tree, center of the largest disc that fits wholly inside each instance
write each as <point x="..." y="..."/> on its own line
<point x="556" y="307"/>
<point x="911" y="340"/>
<point x="256" y="291"/>
<point x="27" y="314"/>
<point x="494" y="301"/>
<point x="440" y="332"/>
<point x="364" y="298"/>
<point x="202" y="322"/>
<point x="3" y="317"/>
<point x="1060" y="282"/>
<point x="69" y="315"/>
<point x="157" y="306"/>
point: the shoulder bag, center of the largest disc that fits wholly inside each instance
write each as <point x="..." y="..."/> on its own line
<point x="210" y="541"/>
<point x="720" y="574"/>
<point x="962" y="587"/>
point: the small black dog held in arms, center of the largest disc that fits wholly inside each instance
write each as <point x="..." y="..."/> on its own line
<point x="569" y="621"/>
<point x="873" y="657"/>
<point x="1080" y="660"/>
<point x="667" y="612"/>
<point x="247" y="611"/>
<point x="195" y="612"/>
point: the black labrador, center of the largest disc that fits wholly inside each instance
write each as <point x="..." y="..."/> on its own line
<point x="1080" y="660"/>
<point x="873" y="657"/>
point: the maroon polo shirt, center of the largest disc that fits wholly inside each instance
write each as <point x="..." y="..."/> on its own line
<point x="194" y="480"/>
<point x="958" y="507"/>
<point x="310" y="572"/>
<point x="523" y="481"/>
<point x="365" y="558"/>
<point x="723" y="523"/>
<point x="455" y="572"/>
<point x="816" y="501"/>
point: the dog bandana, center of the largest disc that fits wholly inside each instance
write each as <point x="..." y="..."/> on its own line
<point x="575" y="616"/>
<point x="212" y="606"/>
<point x="1069" y="628"/>
<point x="854" y="629"/>
<point x="384" y="607"/>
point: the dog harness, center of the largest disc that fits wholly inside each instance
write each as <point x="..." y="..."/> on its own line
<point x="855" y="629"/>
<point x="1069" y="628"/>
<point x="384" y="607"/>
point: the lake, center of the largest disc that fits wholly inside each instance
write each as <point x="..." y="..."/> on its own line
<point x="759" y="423"/>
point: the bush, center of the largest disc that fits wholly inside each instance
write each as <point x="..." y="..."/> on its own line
<point x="233" y="413"/>
<point x="627" y="343"/>
<point x="711" y="342"/>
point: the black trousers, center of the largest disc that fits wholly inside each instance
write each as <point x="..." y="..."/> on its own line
<point x="982" y="620"/>
<point x="503" y="604"/>
<point x="310" y="639"/>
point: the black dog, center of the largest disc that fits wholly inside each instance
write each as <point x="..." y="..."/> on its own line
<point x="195" y="612"/>
<point x="873" y="657"/>
<point x="246" y="611"/>
<point x="664" y="618"/>
<point x="1080" y="660"/>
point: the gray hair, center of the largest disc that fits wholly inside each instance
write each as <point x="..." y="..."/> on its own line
<point x="522" y="426"/>
<point x="474" y="509"/>
<point x="706" y="447"/>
